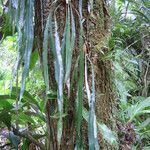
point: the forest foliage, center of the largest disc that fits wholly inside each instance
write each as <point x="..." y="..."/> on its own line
<point x="24" y="88"/>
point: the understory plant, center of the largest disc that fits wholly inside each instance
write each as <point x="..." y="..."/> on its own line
<point x="129" y="51"/>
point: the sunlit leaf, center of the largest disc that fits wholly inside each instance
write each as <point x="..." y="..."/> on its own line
<point x="60" y="72"/>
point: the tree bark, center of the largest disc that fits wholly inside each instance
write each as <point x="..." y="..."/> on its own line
<point x="96" y="26"/>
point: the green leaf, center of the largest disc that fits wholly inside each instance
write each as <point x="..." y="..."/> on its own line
<point x="138" y="109"/>
<point x="59" y="130"/>
<point x="5" y="117"/>
<point x="107" y="134"/>
<point x="27" y="96"/>
<point x="146" y="148"/>
<point x="68" y="50"/>
<point x="5" y="104"/>
<point x="45" y="54"/>
<point x="29" y="34"/>
<point x="25" y="118"/>
<point x="92" y="116"/>
<point x="59" y="74"/>
<point x="51" y="36"/>
<point x="92" y="126"/>
<point x="33" y="60"/>
<point x="69" y="34"/>
<point x="14" y="70"/>
<point x="25" y="145"/>
<point x="144" y="124"/>
<point x="5" y="97"/>
<point x="79" y="100"/>
<point x="51" y="95"/>
<point x="57" y="115"/>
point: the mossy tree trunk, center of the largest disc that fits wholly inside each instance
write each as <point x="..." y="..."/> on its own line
<point x="96" y="26"/>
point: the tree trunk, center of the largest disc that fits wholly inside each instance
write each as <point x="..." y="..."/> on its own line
<point x="96" y="25"/>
